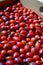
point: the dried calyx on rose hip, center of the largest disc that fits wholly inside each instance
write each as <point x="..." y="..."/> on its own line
<point x="21" y="37"/>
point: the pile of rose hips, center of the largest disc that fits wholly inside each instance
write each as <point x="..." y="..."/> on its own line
<point x="21" y="36"/>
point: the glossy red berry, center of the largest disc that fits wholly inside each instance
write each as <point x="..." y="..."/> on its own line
<point x="36" y="57"/>
<point x="16" y="54"/>
<point x="21" y="36"/>
<point x="9" y="62"/>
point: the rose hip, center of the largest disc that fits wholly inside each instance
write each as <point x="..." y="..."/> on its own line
<point x="21" y="36"/>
